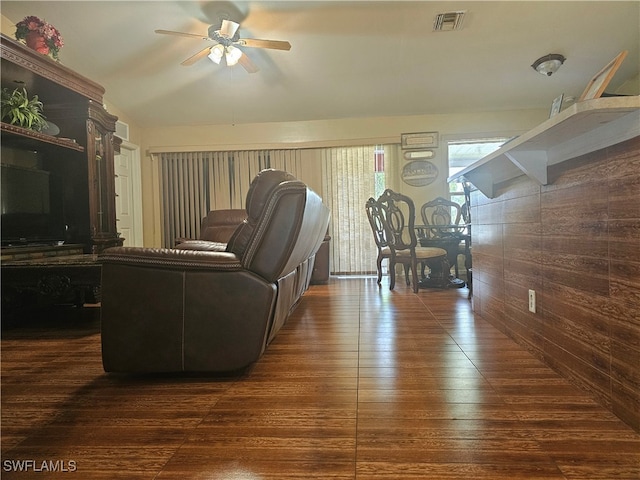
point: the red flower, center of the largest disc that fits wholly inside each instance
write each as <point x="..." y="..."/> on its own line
<point x="51" y="35"/>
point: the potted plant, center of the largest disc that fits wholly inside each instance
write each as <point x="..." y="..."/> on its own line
<point x="18" y="109"/>
<point x="40" y="36"/>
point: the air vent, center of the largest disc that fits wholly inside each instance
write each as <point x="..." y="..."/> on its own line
<point x="122" y="130"/>
<point x="447" y="21"/>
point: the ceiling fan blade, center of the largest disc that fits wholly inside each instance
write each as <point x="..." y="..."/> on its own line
<point x="194" y="58"/>
<point x="247" y="64"/>
<point x="182" y="34"/>
<point x="255" y="43"/>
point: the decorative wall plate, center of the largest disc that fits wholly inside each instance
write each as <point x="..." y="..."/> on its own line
<point x="419" y="173"/>
<point x="51" y="129"/>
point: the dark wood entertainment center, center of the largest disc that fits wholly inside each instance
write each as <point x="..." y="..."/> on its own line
<point x="78" y="219"/>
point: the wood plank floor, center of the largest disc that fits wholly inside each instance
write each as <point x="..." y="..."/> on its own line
<point x="362" y="383"/>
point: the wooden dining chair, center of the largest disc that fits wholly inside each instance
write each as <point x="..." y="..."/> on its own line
<point x="445" y="227"/>
<point x="376" y="220"/>
<point x="398" y="215"/>
<point x="439" y="213"/>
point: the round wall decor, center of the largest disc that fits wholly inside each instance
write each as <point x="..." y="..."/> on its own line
<point x="419" y="173"/>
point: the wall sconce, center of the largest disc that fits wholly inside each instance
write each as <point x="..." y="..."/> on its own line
<point x="549" y="64"/>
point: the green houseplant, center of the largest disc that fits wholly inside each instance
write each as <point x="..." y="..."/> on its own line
<point x="18" y="109"/>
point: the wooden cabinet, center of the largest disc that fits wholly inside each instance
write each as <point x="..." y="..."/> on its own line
<point x="78" y="159"/>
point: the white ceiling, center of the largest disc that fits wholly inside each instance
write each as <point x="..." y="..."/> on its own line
<point x="348" y="59"/>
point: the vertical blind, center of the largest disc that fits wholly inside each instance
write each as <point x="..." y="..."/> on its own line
<point x="349" y="179"/>
<point x="192" y="183"/>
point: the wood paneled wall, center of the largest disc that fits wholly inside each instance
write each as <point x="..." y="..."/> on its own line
<point x="576" y="242"/>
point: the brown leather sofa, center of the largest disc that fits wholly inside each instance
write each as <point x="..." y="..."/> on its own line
<point x="217" y="226"/>
<point x="208" y="310"/>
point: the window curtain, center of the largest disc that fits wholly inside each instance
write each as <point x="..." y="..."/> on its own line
<point x="193" y="183"/>
<point x="349" y="179"/>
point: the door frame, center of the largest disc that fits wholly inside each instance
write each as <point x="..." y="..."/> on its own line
<point x="136" y="183"/>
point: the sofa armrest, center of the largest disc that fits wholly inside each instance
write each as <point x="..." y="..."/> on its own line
<point x="179" y="240"/>
<point x="202" y="245"/>
<point x="172" y="258"/>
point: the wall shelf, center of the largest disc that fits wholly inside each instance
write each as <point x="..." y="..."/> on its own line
<point x="582" y="128"/>
<point x="14" y="134"/>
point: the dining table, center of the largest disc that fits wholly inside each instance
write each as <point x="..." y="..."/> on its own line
<point x="448" y="237"/>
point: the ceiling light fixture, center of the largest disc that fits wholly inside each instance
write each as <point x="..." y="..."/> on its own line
<point x="231" y="54"/>
<point x="225" y="36"/>
<point x="216" y="53"/>
<point x="549" y="64"/>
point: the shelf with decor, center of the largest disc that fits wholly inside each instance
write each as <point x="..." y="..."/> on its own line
<point x="70" y="172"/>
<point x="18" y="136"/>
<point x="582" y="128"/>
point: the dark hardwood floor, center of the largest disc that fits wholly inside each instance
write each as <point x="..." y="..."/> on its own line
<point x="361" y="383"/>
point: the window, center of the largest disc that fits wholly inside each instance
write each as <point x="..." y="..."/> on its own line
<point x="463" y="153"/>
<point x="379" y="176"/>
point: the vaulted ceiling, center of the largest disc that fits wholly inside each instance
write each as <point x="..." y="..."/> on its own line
<point x="348" y="59"/>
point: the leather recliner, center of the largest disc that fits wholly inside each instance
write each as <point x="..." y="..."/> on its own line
<point x="217" y="226"/>
<point x="200" y="310"/>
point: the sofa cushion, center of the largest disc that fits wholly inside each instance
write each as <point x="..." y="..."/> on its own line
<point x="261" y="189"/>
<point x="257" y="197"/>
<point x="219" y="225"/>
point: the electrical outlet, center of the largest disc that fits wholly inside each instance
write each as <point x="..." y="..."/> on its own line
<point x="532" y="301"/>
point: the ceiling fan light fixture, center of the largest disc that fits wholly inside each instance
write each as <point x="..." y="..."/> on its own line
<point x="228" y="28"/>
<point x="216" y="53"/>
<point x="225" y="37"/>
<point x="549" y="64"/>
<point x="233" y="55"/>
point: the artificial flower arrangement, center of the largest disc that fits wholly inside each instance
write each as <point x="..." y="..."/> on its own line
<point x="51" y="42"/>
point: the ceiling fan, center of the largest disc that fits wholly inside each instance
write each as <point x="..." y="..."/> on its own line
<point x="227" y="40"/>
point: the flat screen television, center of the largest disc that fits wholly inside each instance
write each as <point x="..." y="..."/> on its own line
<point x="30" y="213"/>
